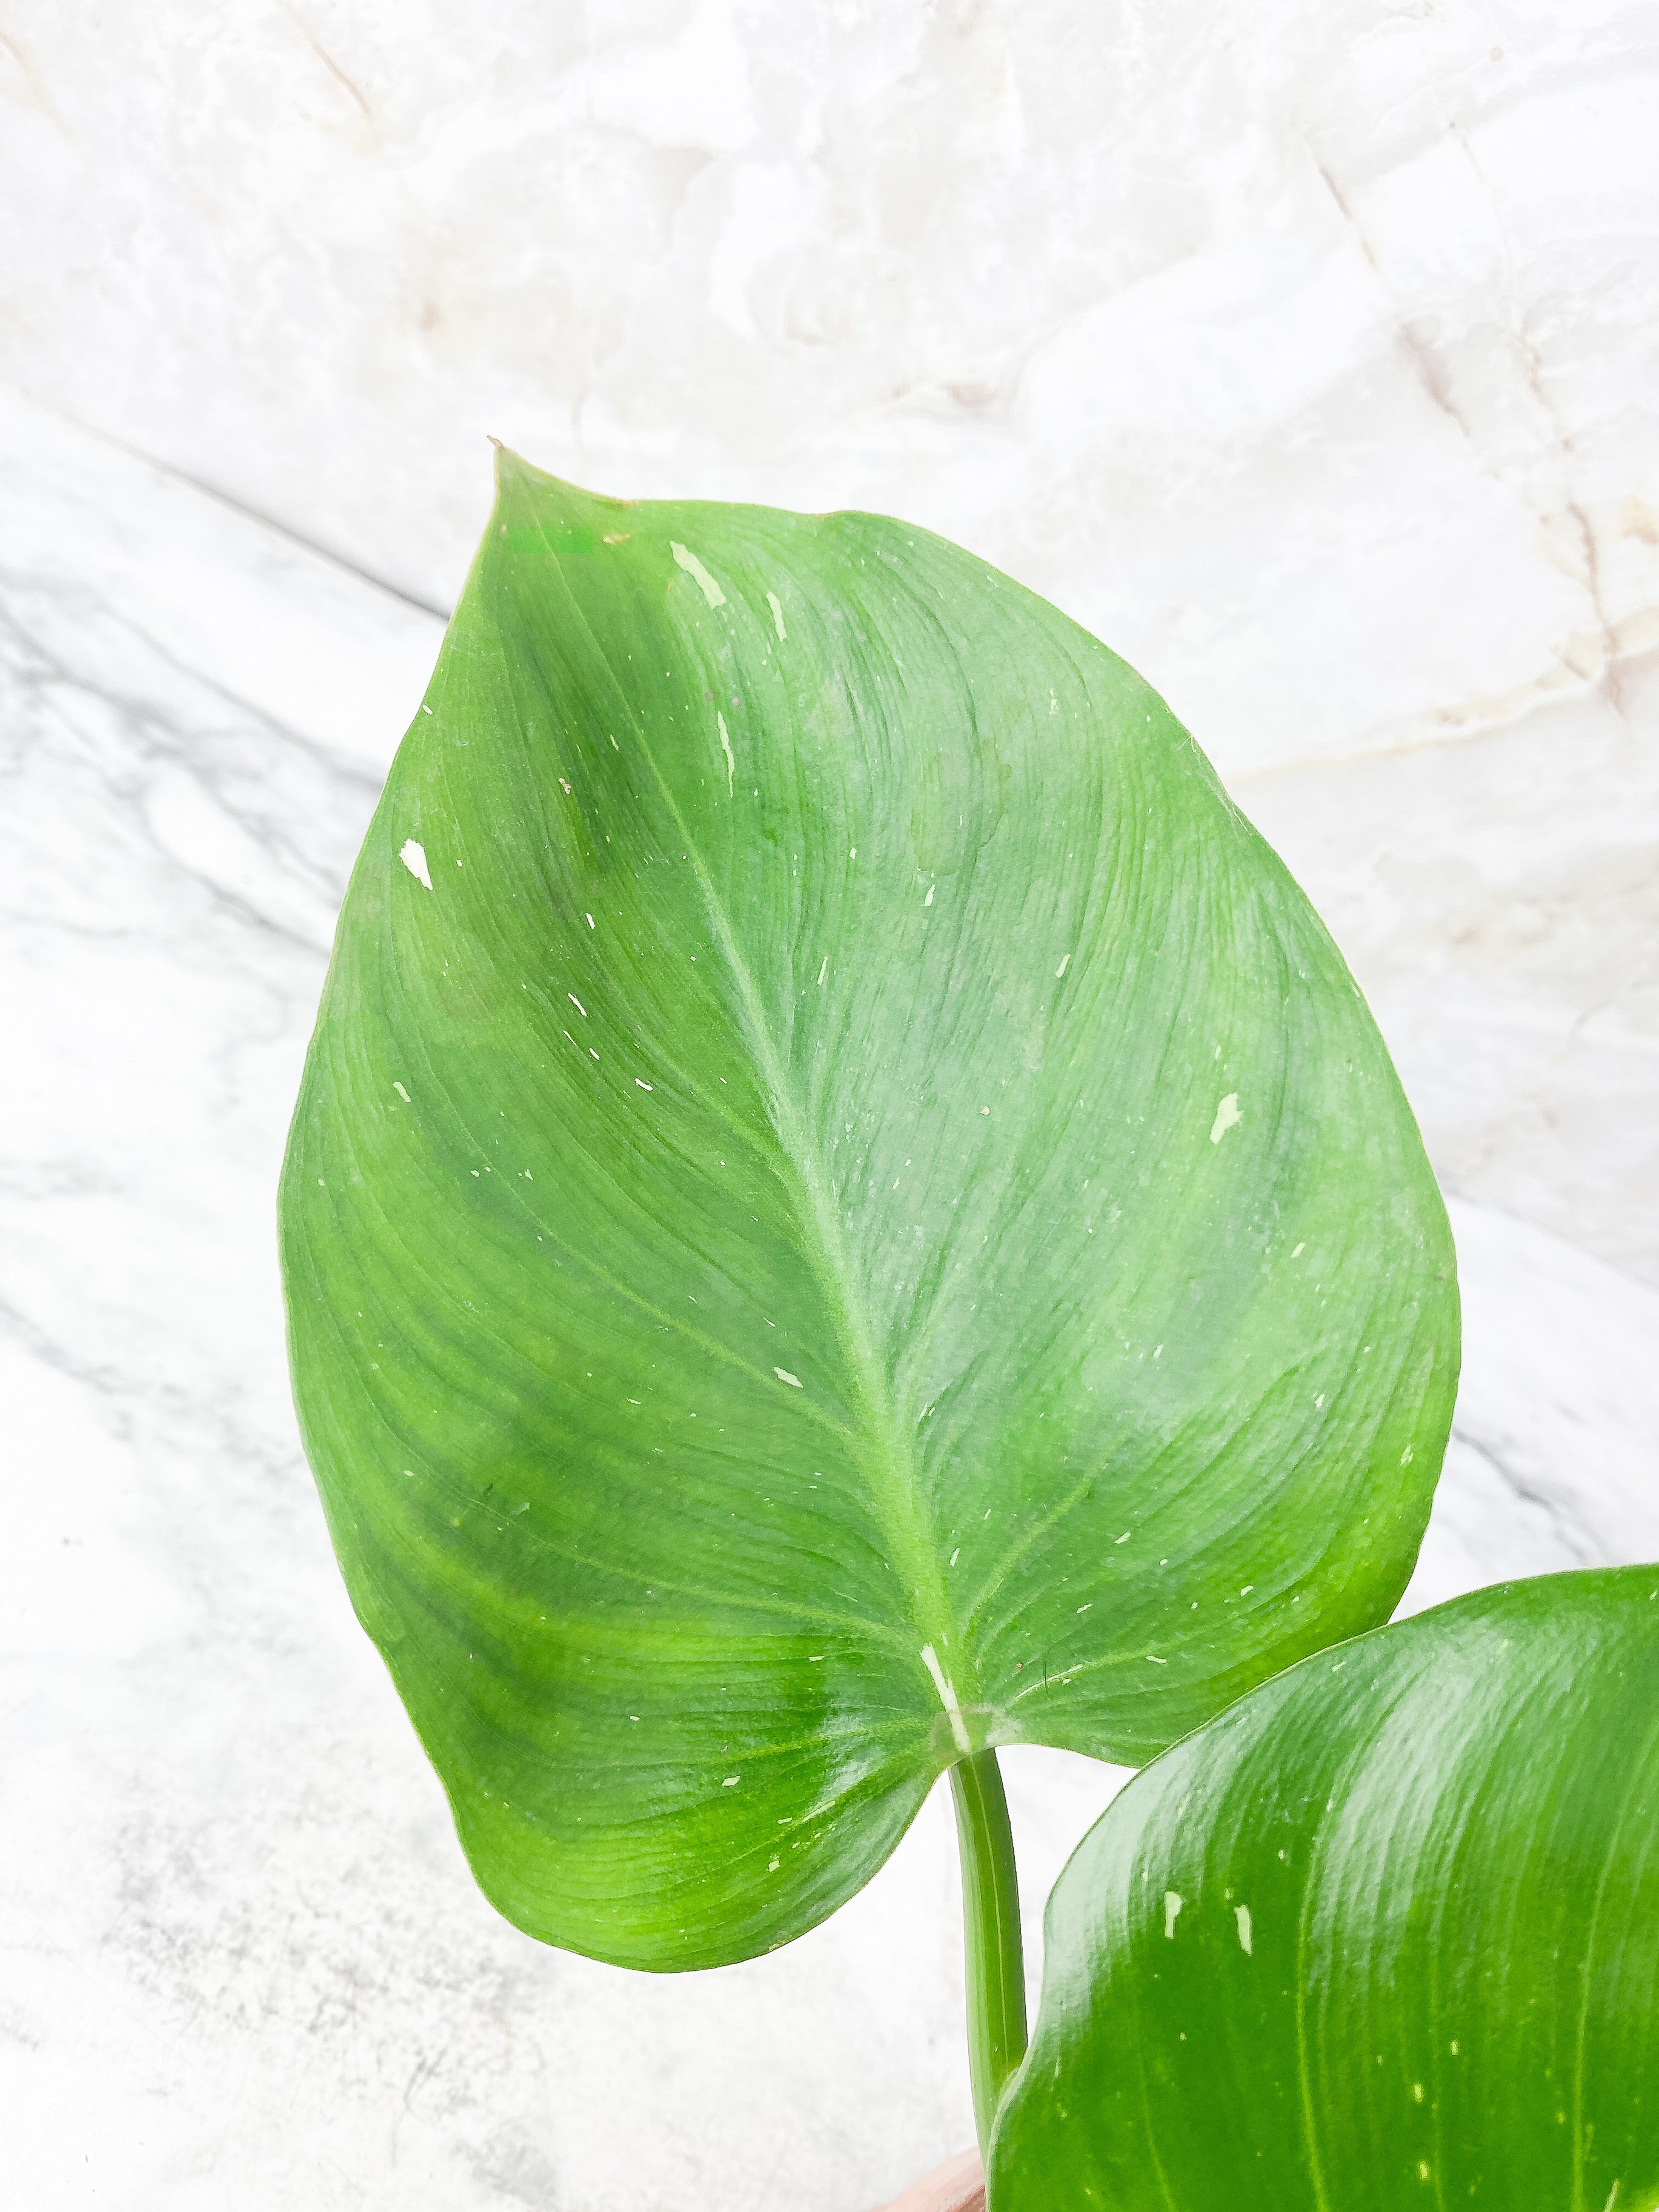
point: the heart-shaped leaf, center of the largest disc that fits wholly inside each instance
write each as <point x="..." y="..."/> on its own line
<point x="843" y="1209"/>
<point x="1384" y="1937"/>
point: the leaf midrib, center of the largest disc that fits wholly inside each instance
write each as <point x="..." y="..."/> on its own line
<point x="889" y="1468"/>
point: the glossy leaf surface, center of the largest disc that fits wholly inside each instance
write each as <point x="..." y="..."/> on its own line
<point x="1385" y="1936"/>
<point x="842" y="1209"/>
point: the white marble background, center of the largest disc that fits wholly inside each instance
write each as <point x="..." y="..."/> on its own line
<point x="1306" y="351"/>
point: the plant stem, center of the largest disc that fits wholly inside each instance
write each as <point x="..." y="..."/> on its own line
<point x="995" y="1954"/>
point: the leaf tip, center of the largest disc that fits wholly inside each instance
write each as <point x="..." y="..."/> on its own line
<point x="538" y="496"/>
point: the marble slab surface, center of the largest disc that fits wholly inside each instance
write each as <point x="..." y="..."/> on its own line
<point x="1305" y="353"/>
<point x="245" y="1967"/>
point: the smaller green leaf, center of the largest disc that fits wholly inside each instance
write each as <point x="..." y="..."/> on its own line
<point x="1385" y="1934"/>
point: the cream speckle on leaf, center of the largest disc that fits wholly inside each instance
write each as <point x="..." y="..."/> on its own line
<point x="726" y="747"/>
<point x="699" y="575"/>
<point x="413" y="856"/>
<point x="1227" y="1116"/>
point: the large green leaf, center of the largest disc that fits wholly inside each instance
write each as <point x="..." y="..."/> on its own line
<point x="842" y="1209"/>
<point x="1385" y="1936"/>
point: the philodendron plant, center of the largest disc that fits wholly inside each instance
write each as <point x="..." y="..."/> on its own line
<point x="845" y="1213"/>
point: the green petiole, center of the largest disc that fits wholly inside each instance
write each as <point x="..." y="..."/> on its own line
<point x="995" y="1952"/>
